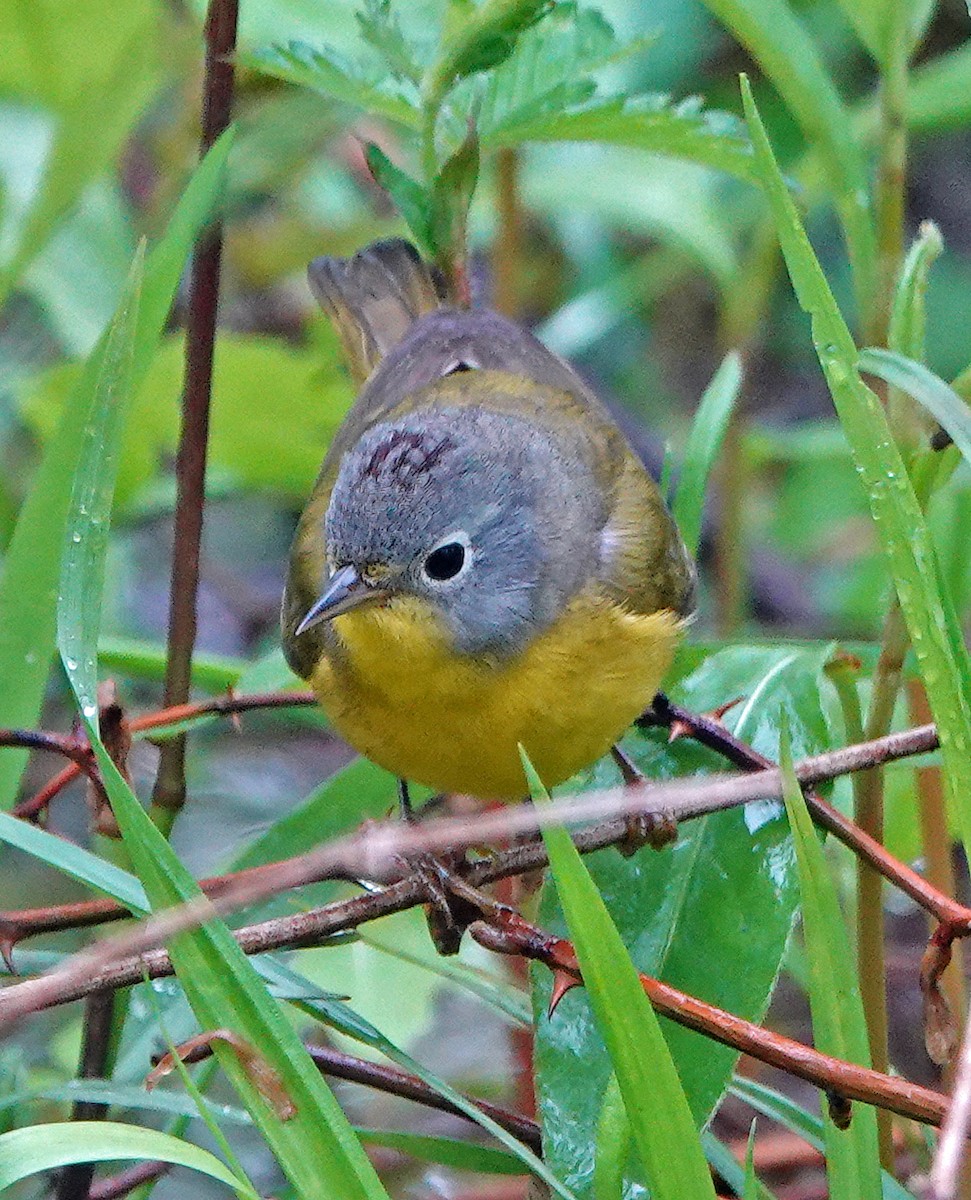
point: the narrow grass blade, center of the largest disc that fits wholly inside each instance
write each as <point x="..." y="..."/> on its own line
<point x="312" y="1140"/>
<point x="908" y="316"/>
<point x="146" y="660"/>
<point x="613" y="1145"/>
<point x="807" y="1125"/>
<point x="28" y="588"/>
<point x="344" y="1020"/>
<point x="723" y="1162"/>
<point x="839" y="1027"/>
<point x="928" y="389"/>
<point x="704" y="442"/>
<point x="25" y="1152"/>
<point x="80" y="864"/>
<point x="662" y="1127"/>
<point x="899" y="520"/>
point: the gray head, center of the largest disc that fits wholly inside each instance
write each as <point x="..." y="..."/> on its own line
<point x="477" y="512"/>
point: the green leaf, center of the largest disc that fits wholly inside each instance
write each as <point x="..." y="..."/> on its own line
<point x="477" y="39"/>
<point x="340" y="1017"/>
<point x="25" y="1152"/>
<point x="93" y="68"/>
<point x="551" y="69"/>
<point x="727" y="884"/>
<point x="723" y="1161"/>
<point x="939" y="92"/>
<point x="92" y="492"/>
<point x="451" y="198"/>
<point x="613" y="1144"/>
<point x="908" y="317"/>
<point x="662" y="1127"/>
<point x="146" y="660"/>
<point x="28" y="588"/>
<point x="896" y="511"/>
<point x="677" y="130"/>
<point x="943" y="403"/>
<point x="704" y="442"/>
<point x="380" y="27"/>
<point x="449" y="1152"/>
<point x="790" y="58"/>
<point x="274" y="411"/>
<point x="410" y="198"/>
<point x="75" y="861"/>
<point x="839" y="1027"/>
<point x="328" y="72"/>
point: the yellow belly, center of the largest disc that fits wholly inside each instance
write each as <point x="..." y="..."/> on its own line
<point x="401" y="697"/>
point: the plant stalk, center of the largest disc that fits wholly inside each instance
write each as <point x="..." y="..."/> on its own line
<point x="190" y="471"/>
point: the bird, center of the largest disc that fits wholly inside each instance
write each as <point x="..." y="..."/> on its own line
<point x="484" y="563"/>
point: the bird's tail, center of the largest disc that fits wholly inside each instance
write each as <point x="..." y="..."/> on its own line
<point x="374" y="297"/>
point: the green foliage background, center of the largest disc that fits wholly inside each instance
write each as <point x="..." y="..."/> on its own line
<point x="650" y="212"/>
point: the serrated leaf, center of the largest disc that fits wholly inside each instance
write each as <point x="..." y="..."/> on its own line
<point x="653" y="123"/>
<point x="380" y="27"/>
<point x="25" y="1152"/>
<point x="330" y="73"/>
<point x="478" y="39"/>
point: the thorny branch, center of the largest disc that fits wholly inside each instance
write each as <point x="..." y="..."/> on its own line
<point x="370" y="853"/>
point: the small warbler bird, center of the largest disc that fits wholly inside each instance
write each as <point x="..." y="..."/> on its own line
<point x="483" y="563"/>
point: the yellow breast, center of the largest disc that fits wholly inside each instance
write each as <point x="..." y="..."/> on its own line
<point x="401" y="696"/>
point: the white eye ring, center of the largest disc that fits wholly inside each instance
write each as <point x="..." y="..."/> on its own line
<point x="459" y="539"/>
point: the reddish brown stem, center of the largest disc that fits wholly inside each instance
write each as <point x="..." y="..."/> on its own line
<point x="190" y="469"/>
<point x="517" y="936"/>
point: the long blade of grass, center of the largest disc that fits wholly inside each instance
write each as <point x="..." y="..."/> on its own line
<point x="309" y="1135"/>
<point x="704" y="442"/>
<point x="662" y="1127"/>
<point x="343" y="1019"/>
<point x="28" y="588"/>
<point x="899" y="520"/>
<point x="839" y="1027"/>
<point x="25" y="1152"/>
<point x="930" y="391"/>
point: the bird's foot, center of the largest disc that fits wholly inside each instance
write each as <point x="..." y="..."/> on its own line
<point x="643" y="829"/>
<point x="448" y="911"/>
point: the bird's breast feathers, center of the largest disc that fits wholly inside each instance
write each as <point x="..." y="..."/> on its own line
<point x="399" y="692"/>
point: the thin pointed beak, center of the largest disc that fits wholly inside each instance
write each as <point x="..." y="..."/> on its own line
<point x="345" y="590"/>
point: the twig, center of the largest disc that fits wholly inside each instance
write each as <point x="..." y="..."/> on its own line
<point x="367" y="856"/>
<point x="74" y="1181"/>
<point x="831" y="1074"/>
<point x="946" y="1167"/>
<point x="116" y="1186"/>
<point x="79" y="752"/>
<point x="190" y="470"/>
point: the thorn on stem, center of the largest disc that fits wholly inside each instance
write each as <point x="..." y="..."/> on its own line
<point x="563" y="982"/>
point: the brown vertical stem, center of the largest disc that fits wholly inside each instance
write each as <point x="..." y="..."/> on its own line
<point x="74" y="1182"/>
<point x="870" y="955"/>
<point x="938" y="863"/>
<point x="190" y="471"/>
<point x="507" y="254"/>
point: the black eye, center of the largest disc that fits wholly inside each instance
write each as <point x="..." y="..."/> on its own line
<point x="445" y="562"/>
